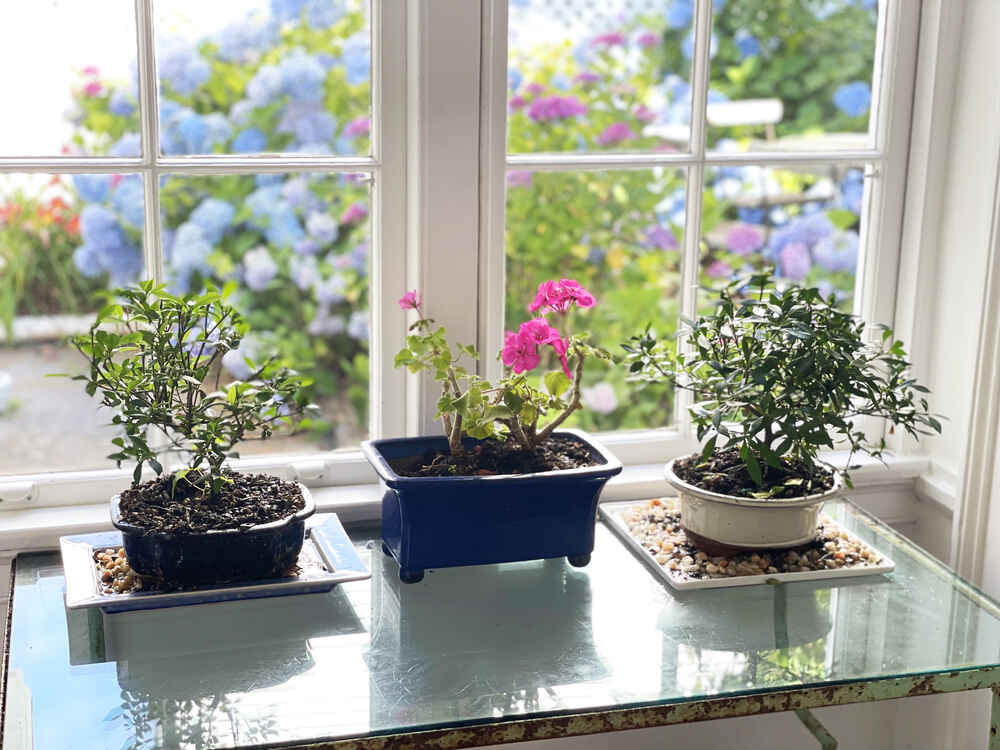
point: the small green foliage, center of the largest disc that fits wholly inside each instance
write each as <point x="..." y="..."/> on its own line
<point x="152" y="355"/>
<point x="784" y="374"/>
<point x="471" y="406"/>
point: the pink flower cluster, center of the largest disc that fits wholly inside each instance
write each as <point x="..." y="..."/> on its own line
<point x="520" y="349"/>
<point x="559" y="296"/>
<point x="354" y="213"/>
<point x="92" y="86"/>
<point x="615" y="133"/>
<point x="555" y="108"/>
<point x="410" y="301"/>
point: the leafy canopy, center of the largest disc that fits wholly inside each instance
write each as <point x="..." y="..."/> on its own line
<point x="152" y="355"/>
<point x="783" y="374"/>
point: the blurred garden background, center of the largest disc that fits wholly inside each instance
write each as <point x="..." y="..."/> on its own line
<point x="294" y="76"/>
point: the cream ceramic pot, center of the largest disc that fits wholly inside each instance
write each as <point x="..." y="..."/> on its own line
<point x="728" y="523"/>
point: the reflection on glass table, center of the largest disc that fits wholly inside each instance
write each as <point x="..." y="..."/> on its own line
<point x="472" y="649"/>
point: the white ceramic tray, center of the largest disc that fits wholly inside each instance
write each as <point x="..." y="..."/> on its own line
<point x="328" y="557"/>
<point x="611" y="514"/>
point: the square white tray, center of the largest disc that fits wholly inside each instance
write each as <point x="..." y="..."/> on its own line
<point x="328" y="557"/>
<point x="611" y="514"/>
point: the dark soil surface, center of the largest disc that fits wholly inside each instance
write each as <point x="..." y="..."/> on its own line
<point x="725" y="473"/>
<point x="492" y="457"/>
<point x="246" y="500"/>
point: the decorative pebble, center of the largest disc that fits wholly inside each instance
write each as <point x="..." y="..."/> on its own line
<point x="656" y="526"/>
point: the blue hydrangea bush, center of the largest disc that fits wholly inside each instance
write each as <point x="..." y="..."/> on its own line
<point x="294" y="80"/>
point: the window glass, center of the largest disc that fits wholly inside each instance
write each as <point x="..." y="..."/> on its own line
<point x="802" y="222"/>
<point x="588" y="76"/>
<point x="250" y="77"/>
<point x="791" y="75"/>
<point x="68" y="78"/>
<point x="298" y="245"/>
<point x="619" y="233"/>
<point x="62" y="240"/>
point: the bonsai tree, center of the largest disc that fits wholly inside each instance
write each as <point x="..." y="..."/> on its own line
<point x="513" y="408"/>
<point x="155" y="359"/>
<point x="779" y="376"/>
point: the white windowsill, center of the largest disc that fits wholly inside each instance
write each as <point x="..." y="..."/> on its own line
<point x="40" y="528"/>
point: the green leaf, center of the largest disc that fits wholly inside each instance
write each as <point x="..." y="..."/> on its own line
<point x="842" y="218"/>
<point x="556" y="382"/>
<point x="750" y="461"/>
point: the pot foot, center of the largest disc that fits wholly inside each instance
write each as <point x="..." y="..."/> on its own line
<point x="411" y="576"/>
<point x="579" y="561"/>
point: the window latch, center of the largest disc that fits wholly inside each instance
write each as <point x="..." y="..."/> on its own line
<point x="14" y="495"/>
<point x="309" y="471"/>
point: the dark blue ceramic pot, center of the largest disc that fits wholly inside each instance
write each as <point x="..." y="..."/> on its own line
<point x="263" y="551"/>
<point x="443" y="522"/>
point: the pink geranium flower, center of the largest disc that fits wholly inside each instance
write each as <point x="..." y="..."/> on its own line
<point x="93" y="88"/>
<point x="354" y="213"/>
<point x="410" y="301"/>
<point x="520" y="350"/>
<point x="559" y="296"/>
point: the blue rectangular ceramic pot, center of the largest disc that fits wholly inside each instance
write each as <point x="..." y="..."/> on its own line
<point x="444" y="522"/>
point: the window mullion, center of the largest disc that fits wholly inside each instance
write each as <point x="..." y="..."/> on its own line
<point x="695" y="180"/>
<point x="149" y="123"/>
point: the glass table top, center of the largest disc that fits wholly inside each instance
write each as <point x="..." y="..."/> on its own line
<point x="466" y="646"/>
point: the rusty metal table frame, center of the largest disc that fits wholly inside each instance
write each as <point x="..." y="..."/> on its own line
<point x="707" y="709"/>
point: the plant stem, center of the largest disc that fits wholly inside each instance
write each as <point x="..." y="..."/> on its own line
<point x="574" y="404"/>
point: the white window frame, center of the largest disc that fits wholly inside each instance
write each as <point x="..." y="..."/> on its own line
<point x="385" y="164"/>
<point x="439" y="98"/>
<point x="889" y="133"/>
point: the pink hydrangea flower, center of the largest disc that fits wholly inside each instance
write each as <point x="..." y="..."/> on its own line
<point x="661" y="238"/>
<point x="600" y="398"/>
<point x="91" y="70"/>
<point x="519" y="178"/>
<point x="610" y="39"/>
<point x="585" y="78"/>
<point x="354" y="213"/>
<point x="358" y="126"/>
<point x="559" y="296"/>
<point x="517" y="102"/>
<point x="647" y="39"/>
<point x="534" y="88"/>
<point x="615" y="133"/>
<point x="795" y="261"/>
<point x="93" y="88"/>
<point x="719" y="269"/>
<point x="410" y="301"/>
<point x="555" y="108"/>
<point x="743" y="239"/>
<point x="644" y="113"/>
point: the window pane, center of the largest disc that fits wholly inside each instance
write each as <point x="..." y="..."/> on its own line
<point x="239" y="77"/>
<point x="298" y="245"/>
<point x="67" y="76"/>
<point x="791" y="75"/>
<point x="609" y="76"/>
<point x="803" y="222"/>
<point x="62" y="240"/>
<point x="619" y="234"/>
